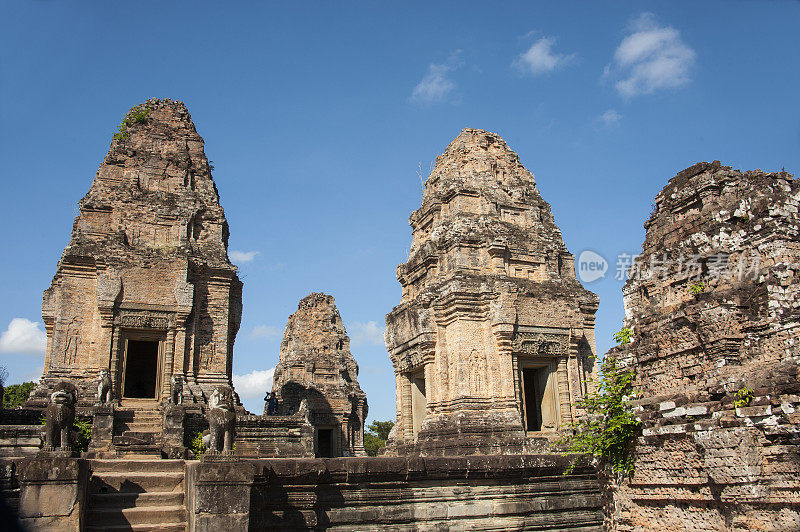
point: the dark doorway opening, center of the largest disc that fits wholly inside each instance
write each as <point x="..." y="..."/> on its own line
<point x="325" y="443"/>
<point x="418" y="402"/>
<point x="141" y="369"/>
<point x="534" y="393"/>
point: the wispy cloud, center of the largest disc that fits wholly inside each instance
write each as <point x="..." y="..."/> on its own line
<point x="540" y="58"/>
<point x="23" y="336"/>
<point x="243" y="256"/>
<point x="254" y="384"/>
<point x="436" y="86"/>
<point x="609" y="118"/>
<point x="265" y="331"/>
<point x="368" y="333"/>
<point x="651" y="58"/>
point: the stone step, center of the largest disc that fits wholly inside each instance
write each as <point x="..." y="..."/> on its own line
<point x="127" y="417"/>
<point x="161" y="527"/>
<point x="136" y="438"/>
<point x="136" y="466"/>
<point x="135" y="482"/>
<point x="138" y="453"/>
<point x="138" y="428"/>
<point x="155" y="515"/>
<point x="136" y="500"/>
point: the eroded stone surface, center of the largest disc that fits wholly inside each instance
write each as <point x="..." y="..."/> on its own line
<point x="713" y="304"/>
<point x="317" y="372"/>
<point x="147" y="261"/>
<point x="489" y="289"/>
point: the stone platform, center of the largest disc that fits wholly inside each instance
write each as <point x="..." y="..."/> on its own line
<point x="520" y="492"/>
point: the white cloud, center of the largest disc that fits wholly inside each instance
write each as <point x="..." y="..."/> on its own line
<point x="265" y="331"/>
<point x="540" y="58"/>
<point x="255" y="384"/>
<point x="609" y="118"/>
<point x="436" y="86"/>
<point x="366" y="334"/>
<point x="650" y="58"/>
<point x="243" y="256"/>
<point x="23" y="337"/>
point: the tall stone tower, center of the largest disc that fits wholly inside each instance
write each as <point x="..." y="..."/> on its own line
<point x="493" y="341"/>
<point x="145" y="288"/>
<point x="315" y="366"/>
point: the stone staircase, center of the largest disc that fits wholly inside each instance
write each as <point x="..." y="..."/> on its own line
<point x="137" y="495"/>
<point x="138" y="430"/>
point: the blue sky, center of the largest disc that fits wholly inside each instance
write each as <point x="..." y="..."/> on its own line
<point x="318" y="116"/>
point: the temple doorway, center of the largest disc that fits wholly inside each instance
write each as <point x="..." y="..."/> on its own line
<point x="325" y="443"/>
<point x="539" y="398"/>
<point x="141" y="369"/>
<point x="531" y="386"/>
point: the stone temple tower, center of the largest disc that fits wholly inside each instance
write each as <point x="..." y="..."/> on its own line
<point x="145" y="288"/>
<point x="493" y="340"/>
<point x="316" y="371"/>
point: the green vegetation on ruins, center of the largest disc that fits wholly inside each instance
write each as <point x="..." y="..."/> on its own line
<point x="610" y="428"/>
<point x="137" y="115"/>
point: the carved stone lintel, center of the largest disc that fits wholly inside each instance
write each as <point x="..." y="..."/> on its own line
<point x="144" y="320"/>
<point x="542" y="343"/>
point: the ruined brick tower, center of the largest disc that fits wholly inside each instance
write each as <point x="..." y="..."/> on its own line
<point x="493" y="341"/>
<point x="144" y="287"/>
<point x="315" y="366"/>
<point x="713" y="302"/>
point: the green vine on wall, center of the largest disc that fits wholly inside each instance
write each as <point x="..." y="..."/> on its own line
<point x="610" y="427"/>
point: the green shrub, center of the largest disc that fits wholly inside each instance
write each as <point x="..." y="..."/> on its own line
<point x="137" y="115"/>
<point x="623" y="336"/>
<point x="743" y="397"/>
<point x="610" y="428"/>
<point x="196" y="444"/>
<point x="83" y="435"/>
<point x="697" y="288"/>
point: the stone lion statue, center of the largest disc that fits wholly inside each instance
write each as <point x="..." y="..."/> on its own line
<point x="104" y="387"/>
<point x="176" y="389"/>
<point x="59" y="415"/>
<point x="221" y="420"/>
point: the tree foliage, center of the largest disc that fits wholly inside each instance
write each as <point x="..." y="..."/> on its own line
<point x="376" y="435"/>
<point x="16" y="394"/>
